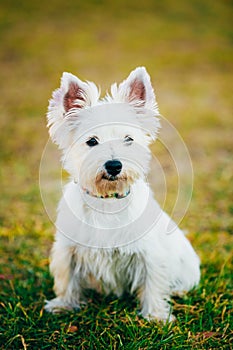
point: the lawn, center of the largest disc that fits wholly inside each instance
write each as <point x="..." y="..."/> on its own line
<point x="187" y="48"/>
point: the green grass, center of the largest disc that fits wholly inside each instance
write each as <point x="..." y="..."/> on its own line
<point x="187" y="49"/>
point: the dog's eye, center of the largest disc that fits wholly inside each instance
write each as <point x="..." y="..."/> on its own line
<point x="92" y="142"/>
<point x="128" y="139"/>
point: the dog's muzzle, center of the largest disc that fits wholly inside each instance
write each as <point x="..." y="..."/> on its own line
<point x="110" y="183"/>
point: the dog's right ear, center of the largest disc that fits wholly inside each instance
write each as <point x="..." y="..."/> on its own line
<point x="77" y="94"/>
<point x="65" y="105"/>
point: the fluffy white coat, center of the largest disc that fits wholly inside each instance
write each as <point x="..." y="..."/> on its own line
<point x="111" y="233"/>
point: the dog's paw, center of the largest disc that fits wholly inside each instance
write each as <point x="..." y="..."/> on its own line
<point x="57" y="305"/>
<point x="159" y="317"/>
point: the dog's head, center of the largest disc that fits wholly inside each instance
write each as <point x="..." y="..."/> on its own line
<point x="105" y="142"/>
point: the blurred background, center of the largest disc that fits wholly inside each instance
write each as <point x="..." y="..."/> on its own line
<point x="187" y="49"/>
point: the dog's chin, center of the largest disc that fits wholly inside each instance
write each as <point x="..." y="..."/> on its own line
<point x="107" y="186"/>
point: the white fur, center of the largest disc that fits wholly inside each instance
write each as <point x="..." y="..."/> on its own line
<point x="112" y="244"/>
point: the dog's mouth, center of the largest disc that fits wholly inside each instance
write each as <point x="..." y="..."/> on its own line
<point x="109" y="177"/>
<point x="109" y="186"/>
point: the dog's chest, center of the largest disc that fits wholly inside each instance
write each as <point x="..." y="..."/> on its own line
<point x="110" y="270"/>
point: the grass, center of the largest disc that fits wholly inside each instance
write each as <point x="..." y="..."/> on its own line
<point x="187" y="48"/>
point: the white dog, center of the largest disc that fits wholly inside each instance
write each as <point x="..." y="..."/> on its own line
<point x="111" y="233"/>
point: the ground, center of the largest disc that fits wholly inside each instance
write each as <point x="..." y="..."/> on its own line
<point x="186" y="47"/>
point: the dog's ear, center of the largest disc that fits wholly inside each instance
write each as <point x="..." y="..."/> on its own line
<point x="77" y="94"/>
<point x="139" y="93"/>
<point x="65" y="105"/>
<point x="137" y="89"/>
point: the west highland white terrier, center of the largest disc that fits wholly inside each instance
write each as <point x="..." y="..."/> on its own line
<point x="112" y="236"/>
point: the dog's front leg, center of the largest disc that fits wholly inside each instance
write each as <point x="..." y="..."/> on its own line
<point x="155" y="294"/>
<point x="66" y="284"/>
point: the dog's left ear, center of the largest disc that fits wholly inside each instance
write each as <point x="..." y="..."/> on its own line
<point x="139" y="93"/>
<point x="137" y="89"/>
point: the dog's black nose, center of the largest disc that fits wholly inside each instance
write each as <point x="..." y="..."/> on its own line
<point x="113" y="167"/>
